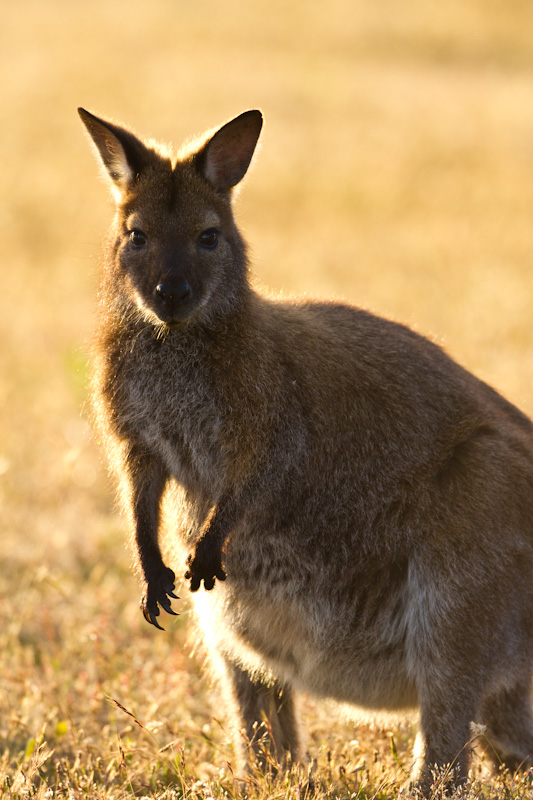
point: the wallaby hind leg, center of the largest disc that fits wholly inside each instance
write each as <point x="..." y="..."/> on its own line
<point x="445" y="733"/>
<point x="267" y="717"/>
<point x="508" y="716"/>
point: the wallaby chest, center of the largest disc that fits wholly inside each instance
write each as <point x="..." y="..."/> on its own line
<point x="163" y="398"/>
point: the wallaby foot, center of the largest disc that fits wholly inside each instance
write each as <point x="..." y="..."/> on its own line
<point x="205" y="564"/>
<point x="508" y="740"/>
<point x="159" y="587"/>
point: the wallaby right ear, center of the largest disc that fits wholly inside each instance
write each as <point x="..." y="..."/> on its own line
<point x="122" y="154"/>
<point x="225" y="158"/>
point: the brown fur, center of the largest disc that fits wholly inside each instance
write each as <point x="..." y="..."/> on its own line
<point x="372" y="500"/>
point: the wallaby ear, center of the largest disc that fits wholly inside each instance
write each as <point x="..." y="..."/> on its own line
<point x="225" y="158"/>
<point x="122" y="154"/>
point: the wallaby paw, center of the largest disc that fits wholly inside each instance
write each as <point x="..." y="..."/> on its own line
<point x="204" y="564"/>
<point x="157" y="593"/>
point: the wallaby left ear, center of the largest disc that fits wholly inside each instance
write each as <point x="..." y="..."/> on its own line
<point x="123" y="155"/>
<point x="224" y="160"/>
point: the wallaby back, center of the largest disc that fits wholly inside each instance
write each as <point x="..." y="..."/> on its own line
<point x="369" y="501"/>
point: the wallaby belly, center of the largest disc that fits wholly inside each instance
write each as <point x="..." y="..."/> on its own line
<point x="355" y="650"/>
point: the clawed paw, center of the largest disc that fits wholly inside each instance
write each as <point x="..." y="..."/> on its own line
<point x="204" y="565"/>
<point x="158" y="591"/>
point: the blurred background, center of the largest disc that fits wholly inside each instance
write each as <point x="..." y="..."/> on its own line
<point x="396" y="173"/>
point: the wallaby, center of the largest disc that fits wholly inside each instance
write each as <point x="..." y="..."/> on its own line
<point x="368" y="502"/>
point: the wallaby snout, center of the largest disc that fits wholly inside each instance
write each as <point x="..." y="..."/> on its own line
<point x="172" y="294"/>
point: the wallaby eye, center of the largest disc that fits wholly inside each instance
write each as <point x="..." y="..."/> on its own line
<point x="137" y="238"/>
<point x="209" y="238"/>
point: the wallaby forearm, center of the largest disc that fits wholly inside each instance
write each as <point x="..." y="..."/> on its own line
<point x="147" y="479"/>
<point x="205" y="562"/>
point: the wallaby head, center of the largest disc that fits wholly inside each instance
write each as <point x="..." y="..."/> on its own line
<point x="175" y="244"/>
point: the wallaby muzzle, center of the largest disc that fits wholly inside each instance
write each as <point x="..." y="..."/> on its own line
<point x="172" y="298"/>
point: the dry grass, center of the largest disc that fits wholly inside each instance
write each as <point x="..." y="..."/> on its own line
<point x="396" y="172"/>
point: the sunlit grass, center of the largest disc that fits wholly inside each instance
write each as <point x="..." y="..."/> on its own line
<point x="396" y="172"/>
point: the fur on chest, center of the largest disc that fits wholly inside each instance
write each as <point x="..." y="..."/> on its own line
<point x="161" y="399"/>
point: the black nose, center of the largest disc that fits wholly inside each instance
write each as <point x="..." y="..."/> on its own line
<point x="173" y="292"/>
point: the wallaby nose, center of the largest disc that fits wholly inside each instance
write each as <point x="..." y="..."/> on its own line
<point x="173" y="292"/>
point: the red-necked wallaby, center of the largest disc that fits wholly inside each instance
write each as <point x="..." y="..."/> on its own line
<point x="368" y="502"/>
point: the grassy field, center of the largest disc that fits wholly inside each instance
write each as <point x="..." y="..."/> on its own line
<point x="396" y="172"/>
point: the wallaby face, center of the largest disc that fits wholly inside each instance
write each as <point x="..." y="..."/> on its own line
<point x="358" y="506"/>
<point x="176" y="241"/>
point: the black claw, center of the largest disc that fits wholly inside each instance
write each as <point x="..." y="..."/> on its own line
<point x="175" y="596"/>
<point x="165" y="605"/>
<point x="150" y="617"/>
<point x="153" y="617"/>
